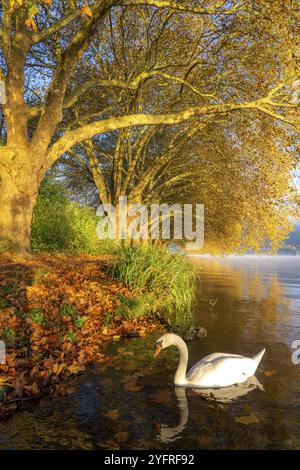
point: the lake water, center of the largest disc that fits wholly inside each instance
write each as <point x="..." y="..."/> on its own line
<point x="130" y="401"/>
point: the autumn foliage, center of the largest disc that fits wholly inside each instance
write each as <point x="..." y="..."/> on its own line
<point x="55" y="316"/>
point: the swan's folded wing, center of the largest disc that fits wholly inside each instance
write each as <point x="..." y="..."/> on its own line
<point x="210" y="360"/>
<point x="220" y="369"/>
<point x="205" y="365"/>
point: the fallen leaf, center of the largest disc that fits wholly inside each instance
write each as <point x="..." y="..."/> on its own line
<point x="270" y="373"/>
<point x="121" y="436"/>
<point x="132" y="387"/>
<point x="206" y="441"/>
<point x="58" y="368"/>
<point x="74" y="369"/>
<point x="156" y="425"/>
<point x="111" y="445"/>
<point x="32" y="389"/>
<point x="250" y="419"/>
<point x="130" y="383"/>
<point x="112" y="414"/>
<point x="163" y="397"/>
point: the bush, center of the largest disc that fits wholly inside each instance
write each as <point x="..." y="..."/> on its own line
<point x="61" y="225"/>
<point x="166" y="279"/>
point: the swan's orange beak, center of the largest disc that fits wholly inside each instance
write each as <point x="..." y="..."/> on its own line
<point x="158" y="348"/>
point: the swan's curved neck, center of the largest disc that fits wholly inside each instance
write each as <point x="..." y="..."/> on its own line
<point x="180" y="376"/>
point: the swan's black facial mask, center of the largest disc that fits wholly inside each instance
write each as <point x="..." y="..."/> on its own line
<point x="158" y="348"/>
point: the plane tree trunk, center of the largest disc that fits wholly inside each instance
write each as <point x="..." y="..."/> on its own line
<point x="18" y="192"/>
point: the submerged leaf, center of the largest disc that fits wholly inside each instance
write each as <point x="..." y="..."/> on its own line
<point x="250" y="419"/>
<point x="270" y="373"/>
<point x="113" y="414"/>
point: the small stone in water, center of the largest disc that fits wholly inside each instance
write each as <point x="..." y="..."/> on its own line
<point x="195" y="332"/>
<point x="132" y="334"/>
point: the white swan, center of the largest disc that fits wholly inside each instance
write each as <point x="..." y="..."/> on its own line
<point x="213" y="371"/>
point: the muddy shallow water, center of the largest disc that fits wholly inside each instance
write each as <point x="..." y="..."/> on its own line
<point x="130" y="401"/>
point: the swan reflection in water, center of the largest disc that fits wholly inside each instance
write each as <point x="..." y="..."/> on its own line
<point x="221" y="395"/>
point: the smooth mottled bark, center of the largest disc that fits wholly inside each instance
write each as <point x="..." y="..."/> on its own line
<point x="17" y="199"/>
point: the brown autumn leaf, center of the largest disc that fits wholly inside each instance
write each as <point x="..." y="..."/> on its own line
<point x="32" y="390"/>
<point x="206" y="441"/>
<point x="113" y="414"/>
<point x="74" y="369"/>
<point x="50" y="357"/>
<point x="132" y="386"/>
<point x="121" y="437"/>
<point x="270" y="373"/>
<point x="111" y="445"/>
<point x="162" y="397"/>
<point x="58" y="368"/>
<point x="22" y="363"/>
<point x="60" y="390"/>
<point x="156" y="425"/>
<point x="250" y="419"/>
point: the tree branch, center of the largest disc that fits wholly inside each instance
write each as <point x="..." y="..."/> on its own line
<point x="71" y="138"/>
<point x="176" y="5"/>
<point x="72" y="99"/>
<point x="55" y="27"/>
<point x="51" y="114"/>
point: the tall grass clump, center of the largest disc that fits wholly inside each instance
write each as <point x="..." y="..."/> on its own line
<point x="167" y="279"/>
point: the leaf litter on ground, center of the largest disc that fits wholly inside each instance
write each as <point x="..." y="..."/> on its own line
<point x="53" y="320"/>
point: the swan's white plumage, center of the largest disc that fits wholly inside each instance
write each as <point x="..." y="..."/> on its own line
<point x="213" y="371"/>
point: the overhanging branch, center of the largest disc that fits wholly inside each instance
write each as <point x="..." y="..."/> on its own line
<point x="179" y="6"/>
<point x="71" y="138"/>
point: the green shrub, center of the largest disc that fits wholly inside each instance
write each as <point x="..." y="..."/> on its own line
<point x="50" y="228"/>
<point x="61" y="225"/>
<point x="167" y="279"/>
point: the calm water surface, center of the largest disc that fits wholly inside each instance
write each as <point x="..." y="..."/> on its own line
<point x="130" y="402"/>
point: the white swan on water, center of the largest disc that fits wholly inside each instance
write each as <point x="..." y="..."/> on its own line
<point x="213" y="371"/>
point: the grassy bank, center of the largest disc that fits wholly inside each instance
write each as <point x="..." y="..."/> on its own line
<point x="166" y="281"/>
